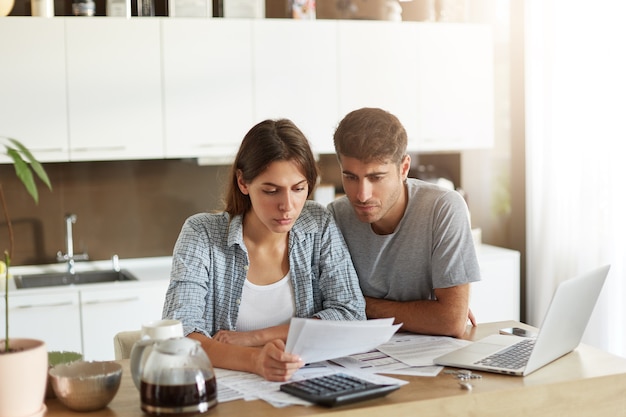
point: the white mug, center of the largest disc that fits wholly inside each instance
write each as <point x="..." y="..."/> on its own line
<point x="161" y="329"/>
<point x="151" y="332"/>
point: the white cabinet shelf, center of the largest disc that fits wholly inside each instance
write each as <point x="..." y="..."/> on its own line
<point x="497" y="296"/>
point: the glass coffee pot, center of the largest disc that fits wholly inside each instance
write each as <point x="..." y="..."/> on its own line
<point x="177" y="378"/>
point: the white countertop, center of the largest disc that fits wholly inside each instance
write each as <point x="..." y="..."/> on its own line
<point x="156" y="268"/>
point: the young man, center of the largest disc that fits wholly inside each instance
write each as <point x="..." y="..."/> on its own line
<point x="410" y="240"/>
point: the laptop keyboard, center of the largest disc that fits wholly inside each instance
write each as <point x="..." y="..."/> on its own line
<point x="513" y="357"/>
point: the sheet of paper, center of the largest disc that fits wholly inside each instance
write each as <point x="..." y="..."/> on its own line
<point x="430" y="371"/>
<point x="318" y="340"/>
<point x="378" y="362"/>
<point x="420" y="350"/>
<point x="373" y="361"/>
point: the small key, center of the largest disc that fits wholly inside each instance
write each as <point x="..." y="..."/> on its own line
<point x="466" y="385"/>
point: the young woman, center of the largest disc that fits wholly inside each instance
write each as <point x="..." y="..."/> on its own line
<point x="240" y="275"/>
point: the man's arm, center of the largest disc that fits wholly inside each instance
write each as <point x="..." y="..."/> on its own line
<point x="253" y="337"/>
<point x="445" y="316"/>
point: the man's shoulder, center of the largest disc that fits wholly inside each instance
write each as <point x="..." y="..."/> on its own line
<point x="343" y="213"/>
<point x="416" y="186"/>
<point x="423" y="192"/>
<point x="340" y="206"/>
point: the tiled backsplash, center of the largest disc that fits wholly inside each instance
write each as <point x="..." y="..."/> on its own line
<point x="129" y="208"/>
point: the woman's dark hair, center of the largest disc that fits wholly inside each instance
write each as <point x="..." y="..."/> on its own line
<point x="267" y="142"/>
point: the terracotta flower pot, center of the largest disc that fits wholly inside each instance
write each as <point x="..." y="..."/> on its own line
<point x="23" y="377"/>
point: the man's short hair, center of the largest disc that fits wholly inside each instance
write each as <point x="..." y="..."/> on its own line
<point x="371" y="134"/>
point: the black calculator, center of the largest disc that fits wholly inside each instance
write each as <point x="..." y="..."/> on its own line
<point x="336" y="389"/>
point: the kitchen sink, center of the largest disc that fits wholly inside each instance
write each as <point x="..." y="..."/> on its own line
<point x="54" y="279"/>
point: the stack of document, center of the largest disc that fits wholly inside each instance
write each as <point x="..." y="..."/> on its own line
<point x="319" y="340"/>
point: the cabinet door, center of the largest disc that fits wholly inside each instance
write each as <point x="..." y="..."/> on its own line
<point x="107" y="312"/>
<point x="114" y="88"/>
<point x="207" y="81"/>
<point x="456" y="87"/>
<point x="295" y="76"/>
<point x="378" y="67"/>
<point x="53" y="318"/>
<point x="33" y="103"/>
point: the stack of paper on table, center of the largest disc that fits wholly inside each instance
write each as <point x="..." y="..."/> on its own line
<point x="319" y="340"/>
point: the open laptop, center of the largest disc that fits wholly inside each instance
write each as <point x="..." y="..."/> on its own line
<point x="563" y="327"/>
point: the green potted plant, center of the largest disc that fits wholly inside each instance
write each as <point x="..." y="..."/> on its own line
<point x="23" y="362"/>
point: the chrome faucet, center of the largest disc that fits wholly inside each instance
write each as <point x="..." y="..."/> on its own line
<point x="70" y="257"/>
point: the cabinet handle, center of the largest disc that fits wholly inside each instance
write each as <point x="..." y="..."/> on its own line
<point x="45" y="150"/>
<point x="120" y="300"/>
<point x="63" y="303"/>
<point x="226" y="146"/>
<point x="99" y="148"/>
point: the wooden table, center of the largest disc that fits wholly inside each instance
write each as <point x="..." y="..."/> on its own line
<point x="586" y="382"/>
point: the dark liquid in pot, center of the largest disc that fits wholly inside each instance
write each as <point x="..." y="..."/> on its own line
<point x="174" y="396"/>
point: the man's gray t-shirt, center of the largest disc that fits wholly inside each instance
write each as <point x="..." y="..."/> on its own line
<point x="432" y="247"/>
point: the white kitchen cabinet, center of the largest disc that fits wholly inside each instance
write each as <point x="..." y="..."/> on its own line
<point x="455" y="87"/>
<point x="85" y="318"/>
<point x="33" y="101"/>
<point x="105" y="312"/>
<point x="53" y="318"/>
<point x="378" y="67"/>
<point x="295" y="76"/>
<point x="207" y="86"/>
<point x="497" y="296"/>
<point x="114" y="88"/>
<point x="436" y="78"/>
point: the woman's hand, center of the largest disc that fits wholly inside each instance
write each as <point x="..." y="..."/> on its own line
<point x="274" y="364"/>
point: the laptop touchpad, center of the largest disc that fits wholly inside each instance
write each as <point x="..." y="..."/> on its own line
<point x="492" y="343"/>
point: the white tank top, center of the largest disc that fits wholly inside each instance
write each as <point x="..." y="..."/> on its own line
<point x="266" y="305"/>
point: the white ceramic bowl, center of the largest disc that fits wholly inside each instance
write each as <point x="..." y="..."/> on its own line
<point x="86" y="386"/>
